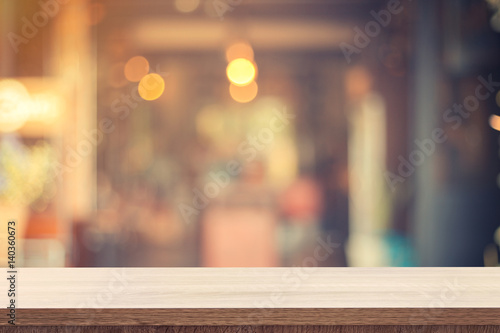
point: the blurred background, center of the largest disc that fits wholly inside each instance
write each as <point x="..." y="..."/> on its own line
<point x="223" y="133"/>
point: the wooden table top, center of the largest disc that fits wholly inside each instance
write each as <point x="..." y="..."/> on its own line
<point x="255" y="296"/>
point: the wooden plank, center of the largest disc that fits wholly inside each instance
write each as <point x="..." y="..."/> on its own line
<point x="257" y="329"/>
<point x="256" y="296"/>
<point x="285" y="287"/>
<point x="247" y="317"/>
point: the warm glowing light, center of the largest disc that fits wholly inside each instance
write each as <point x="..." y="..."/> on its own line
<point x="239" y="50"/>
<point x="135" y="68"/>
<point x="44" y="107"/>
<point x="243" y="94"/>
<point x="495" y="122"/>
<point x="240" y="71"/>
<point x="186" y="6"/>
<point x="497" y="98"/>
<point x="151" y="87"/>
<point x="14" y="102"/>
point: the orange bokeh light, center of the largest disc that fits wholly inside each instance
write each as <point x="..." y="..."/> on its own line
<point x="243" y="94"/>
<point x="186" y="6"/>
<point x="135" y="68"/>
<point x="151" y="87"/>
<point x="239" y="50"/>
<point x="495" y="122"/>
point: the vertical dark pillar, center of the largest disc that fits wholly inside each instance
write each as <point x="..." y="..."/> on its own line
<point x="425" y="119"/>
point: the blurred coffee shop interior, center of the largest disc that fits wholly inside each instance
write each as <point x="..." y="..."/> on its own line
<point x="222" y="133"/>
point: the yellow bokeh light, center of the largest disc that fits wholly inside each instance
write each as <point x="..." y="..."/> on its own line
<point x="186" y="6"/>
<point x="239" y="50"/>
<point x="240" y="71"/>
<point x="243" y="94"/>
<point x="135" y="68"/>
<point x="14" y="103"/>
<point x="151" y="87"/>
<point x="497" y="98"/>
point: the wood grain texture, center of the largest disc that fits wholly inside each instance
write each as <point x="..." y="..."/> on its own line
<point x="256" y="329"/>
<point x="256" y="296"/>
<point x="285" y="287"/>
<point x="215" y="317"/>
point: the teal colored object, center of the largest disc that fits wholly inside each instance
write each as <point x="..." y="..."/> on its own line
<point x="401" y="251"/>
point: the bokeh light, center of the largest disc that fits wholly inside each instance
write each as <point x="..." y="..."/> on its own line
<point x="495" y="122"/>
<point x="186" y="6"/>
<point x="239" y="50"/>
<point x="243" y="94"/>
<point x="240" y="71"/>
<point x="14" y="101"/>
<point x="135" y="68"/>
<point x="497" y="98"/>
<point x="151" y="86"/>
